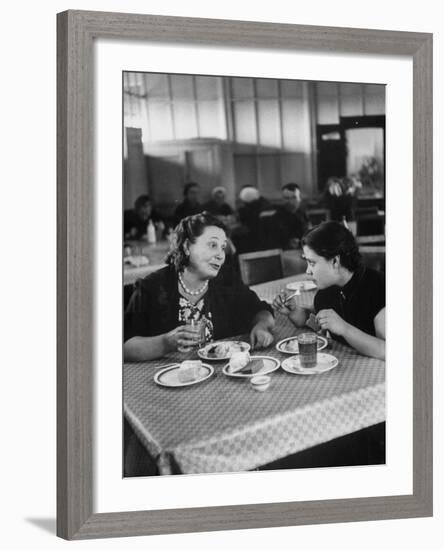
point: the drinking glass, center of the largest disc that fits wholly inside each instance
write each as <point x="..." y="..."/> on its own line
<point x="198" y="329"/>
<point x="308" y="349"/>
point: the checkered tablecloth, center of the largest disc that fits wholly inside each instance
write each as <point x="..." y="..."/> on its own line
<point x="223" y="425"/>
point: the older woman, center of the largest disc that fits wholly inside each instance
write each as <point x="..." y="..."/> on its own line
<point x="192" y="286"/>
<point x="350" y="302"/>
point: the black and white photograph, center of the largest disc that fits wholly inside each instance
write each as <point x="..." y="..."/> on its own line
<point x="254" y="274"/>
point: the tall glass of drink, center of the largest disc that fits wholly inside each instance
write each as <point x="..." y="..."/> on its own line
<point x="308" y="349"/>
<point x="198" y="329"/>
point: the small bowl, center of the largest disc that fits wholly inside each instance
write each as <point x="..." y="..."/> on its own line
<point x="260" y="383"/>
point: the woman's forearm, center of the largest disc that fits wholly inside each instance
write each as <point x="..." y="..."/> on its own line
<point x="365" y="343"/>
<point x="145" y="348"/>
<point x="265" y="318"/>
<point x="298" y="317"/>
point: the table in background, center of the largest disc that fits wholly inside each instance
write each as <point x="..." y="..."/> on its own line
<point x="267" y="291"/>
<point x="223" y="425"/>
<point x="291" y="259"/>
<point x="154" y="252"/>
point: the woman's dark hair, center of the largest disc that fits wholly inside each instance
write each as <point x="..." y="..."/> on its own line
<point x="141" y="201"/>
<point x="189" y="186"/>
<point x="291" y="187"/>
<point x="330" y="239"/>
<point x="186" y="232"/>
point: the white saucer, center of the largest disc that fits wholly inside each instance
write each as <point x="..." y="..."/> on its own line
<point x="280" y="346"/>
<point x="169" y="377"/>
<point x="325" y="363"/>
<point x="270" y="364"/>
<point x="302" y="286"/>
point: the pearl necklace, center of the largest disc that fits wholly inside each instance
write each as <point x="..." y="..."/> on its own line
<point x="192" y="292"/>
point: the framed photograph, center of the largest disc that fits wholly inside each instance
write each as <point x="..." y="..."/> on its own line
<point x="161" y="119"/>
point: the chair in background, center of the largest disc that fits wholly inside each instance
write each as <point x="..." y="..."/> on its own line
<point x="370" y="222"/>
<point x="318" y="215"/>
<point x="374" y="257"/>
<point x="259" y="267"/>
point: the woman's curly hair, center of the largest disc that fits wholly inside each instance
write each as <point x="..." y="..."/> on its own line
<point x="186" y="233"/>
<point x="330" y="239"/>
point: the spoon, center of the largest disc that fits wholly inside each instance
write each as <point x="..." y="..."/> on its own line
<point x="297" y="293"/>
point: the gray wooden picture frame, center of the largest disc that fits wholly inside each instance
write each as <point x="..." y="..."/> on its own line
<point x="77" y="31"/>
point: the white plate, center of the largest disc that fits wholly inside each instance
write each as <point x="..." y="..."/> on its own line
<point x="302" y="285"/>
<point x="235" y="345"/>
<point x="280" y="346"/>
<point x="169" y="377"/>
<point x="325" y="363"/>
<point x="270" y="364"/>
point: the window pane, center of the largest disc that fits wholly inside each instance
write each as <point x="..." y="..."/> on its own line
<point x="269" y="127"/>
<point x="208" y="87"/>
<point x="328" y="108"/>
<point x="211" y="119"/>
<point x="292" y="88"/>
<point x="351" y="99"/>
<point x="374" y="99"/>
<point x="185" y="122"/>
<point x="244" y="122"/>
<point x="157" y="86"/>
<point x="160" y="120"/>
<point x="182" y="87"/>
<point x="242" y="88"/>
<point x="267" y="88"/>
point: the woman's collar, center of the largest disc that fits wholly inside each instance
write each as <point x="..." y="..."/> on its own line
<point x="351" y="284"/>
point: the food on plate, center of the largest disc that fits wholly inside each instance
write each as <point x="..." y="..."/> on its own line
<point x="219" y="350"/>
<point x="242" y="363"/>
<point x="189" y="371"/>
<point x="238" y="361"/>
<point x="223" y="350"/>
<point x="255" y="366"/>
<point x="292" y="346"/>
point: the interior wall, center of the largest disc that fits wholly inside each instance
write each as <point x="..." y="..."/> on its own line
<point x="265" y="128"/>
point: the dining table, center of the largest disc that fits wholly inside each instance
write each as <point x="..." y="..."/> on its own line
<point x="222" y="424"/>
<point x="143" y="258"/>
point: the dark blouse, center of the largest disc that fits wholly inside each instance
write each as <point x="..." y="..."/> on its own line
<point x="154" y="306"/>
<point x="358" y="302"/>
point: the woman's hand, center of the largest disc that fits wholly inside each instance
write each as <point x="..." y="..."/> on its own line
<point x="291" y="309"/>
<point x="182" y="335"/>
<point x="281" y="306"/>
<point x="260" y="336"/>
<point x="330" y="320"/>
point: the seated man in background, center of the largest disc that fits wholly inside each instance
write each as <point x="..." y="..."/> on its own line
<point x="190" y="204"/>
<point x="219" y="207"/>
<point x="135" y="221"/>
<point x="290" y="221"/>
<point x="253" y="209"/>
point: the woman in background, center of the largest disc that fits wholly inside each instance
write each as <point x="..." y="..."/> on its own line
<point x="191" y="286"/>
<point x="350" y="302"/>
